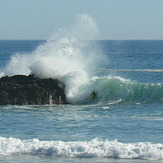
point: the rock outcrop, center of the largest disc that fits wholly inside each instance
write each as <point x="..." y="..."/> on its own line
<point x="30" y="90"/>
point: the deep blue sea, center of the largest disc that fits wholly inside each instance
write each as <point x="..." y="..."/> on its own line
<point x="122" y="124"/>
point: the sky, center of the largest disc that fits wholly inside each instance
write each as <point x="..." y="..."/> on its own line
<point x="116" y="19"/>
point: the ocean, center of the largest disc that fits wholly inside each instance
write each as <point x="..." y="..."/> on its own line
<point x="121" y="123"/>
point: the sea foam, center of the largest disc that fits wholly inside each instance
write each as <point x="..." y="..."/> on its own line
<point x="82" y="149"/>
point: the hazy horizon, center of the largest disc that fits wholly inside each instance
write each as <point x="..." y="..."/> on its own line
<point x="116" y="19"/>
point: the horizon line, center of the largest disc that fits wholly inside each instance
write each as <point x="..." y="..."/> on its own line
<point x="86" y="40"/>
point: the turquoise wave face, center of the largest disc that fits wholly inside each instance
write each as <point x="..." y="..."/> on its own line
<point x="113" y="90"/>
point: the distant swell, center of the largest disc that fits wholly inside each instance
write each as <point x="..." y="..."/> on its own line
<point x="118" y="90"/>
<point x="81" y="149"/>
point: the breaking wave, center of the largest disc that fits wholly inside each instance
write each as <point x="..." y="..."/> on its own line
<point x="69" y="55"/>
<point x="82" y="149"/>
<point x="118" y="90"/>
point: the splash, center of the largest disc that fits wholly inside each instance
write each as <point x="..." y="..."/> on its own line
<point x="68" y="55"/>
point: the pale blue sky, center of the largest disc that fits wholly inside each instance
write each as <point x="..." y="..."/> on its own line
<point x="117" y="19"/>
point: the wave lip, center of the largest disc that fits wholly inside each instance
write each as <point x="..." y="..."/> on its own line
<point x="81" y="149"/>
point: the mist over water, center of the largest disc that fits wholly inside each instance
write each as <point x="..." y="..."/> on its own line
<point x="68" y="55"/>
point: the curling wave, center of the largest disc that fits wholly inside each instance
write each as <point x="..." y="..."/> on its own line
<point x="119" y="90"/>
<point x="82" y="149"/>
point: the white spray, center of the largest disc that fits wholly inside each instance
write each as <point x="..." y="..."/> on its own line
<point x="67" y="55"/>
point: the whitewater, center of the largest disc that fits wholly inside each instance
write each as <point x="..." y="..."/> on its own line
<point x="93" y="149"/>
<point x="122" y="123"/>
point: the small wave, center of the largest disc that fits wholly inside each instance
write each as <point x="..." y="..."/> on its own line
<point x="81" y="149"/>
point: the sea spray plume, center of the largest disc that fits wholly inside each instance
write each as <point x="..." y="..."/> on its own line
<point x="68" y="55"/>
<point x="18" y="64"/>
<point x="84" y="28"/>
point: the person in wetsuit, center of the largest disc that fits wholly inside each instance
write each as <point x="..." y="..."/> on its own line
<point x="93" y="94"/>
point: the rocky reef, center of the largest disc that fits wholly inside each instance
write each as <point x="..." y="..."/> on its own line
<point x="30" y="90"/>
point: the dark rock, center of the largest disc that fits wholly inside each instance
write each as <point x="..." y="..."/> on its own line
<point x="30" y="90"/>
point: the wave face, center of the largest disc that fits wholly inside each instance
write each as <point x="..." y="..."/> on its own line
<point x="113" y="90"/>
<point x="81" y="149"/>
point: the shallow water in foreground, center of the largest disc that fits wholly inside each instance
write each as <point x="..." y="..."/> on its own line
<point x="82" y="131"/>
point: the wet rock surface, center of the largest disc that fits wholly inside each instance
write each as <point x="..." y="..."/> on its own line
<point x="30" y="90"/>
